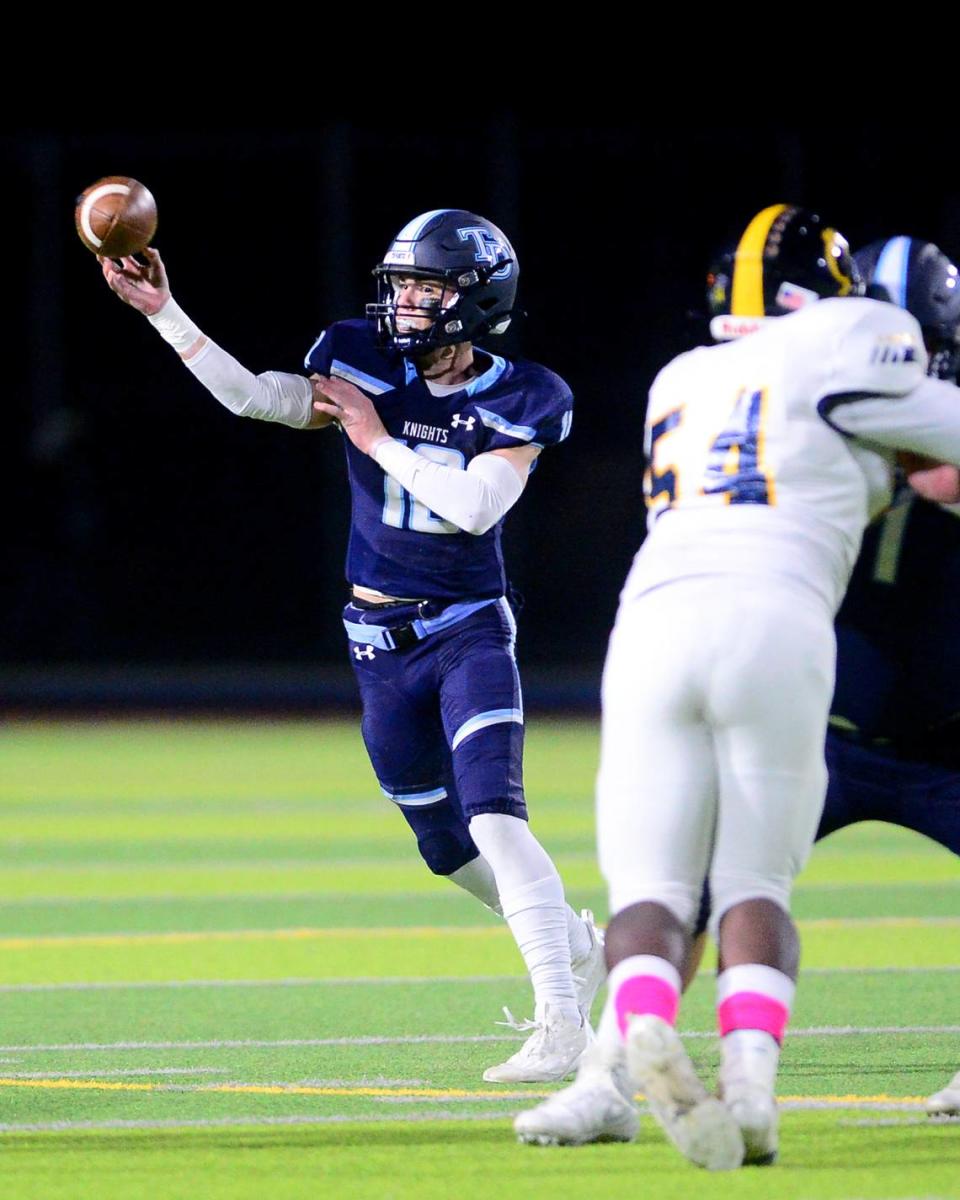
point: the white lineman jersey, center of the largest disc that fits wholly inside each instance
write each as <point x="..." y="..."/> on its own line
<point x="767" y="457"/>
<point x="771" y="453"/>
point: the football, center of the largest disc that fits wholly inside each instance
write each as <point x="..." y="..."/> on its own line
<point x="116" y="216"/>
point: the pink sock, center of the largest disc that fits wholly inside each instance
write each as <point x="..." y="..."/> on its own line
<point x="754" y="996"/>
<point x="644" y="984"/>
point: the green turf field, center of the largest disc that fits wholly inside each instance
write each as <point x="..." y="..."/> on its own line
<point x="224" y="973"/>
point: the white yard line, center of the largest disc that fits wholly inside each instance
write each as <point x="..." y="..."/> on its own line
<point x="432" y="1039"/>
<point x="809" y="1104"/>
<point x="257" y="1044"/>
<point x="335" y="981"/>
<point x="126" y="1071"/>
<point x="248" y="1122"/>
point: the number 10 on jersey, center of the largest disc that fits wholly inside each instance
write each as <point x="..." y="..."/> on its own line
<point x="403" y="511"/>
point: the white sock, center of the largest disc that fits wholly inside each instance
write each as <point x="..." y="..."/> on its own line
<point x="749" y="1057"/>
<point x="577" y="936"/>
<point x="476" y="877"/>
<point x="531" y="896"/>
<point x="608" y="1032"/>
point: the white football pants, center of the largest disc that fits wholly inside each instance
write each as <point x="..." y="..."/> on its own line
<point x="716" y="692"/>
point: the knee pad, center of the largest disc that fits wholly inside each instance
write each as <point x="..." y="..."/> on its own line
<point x="444" y="852"/>
<point x="443" y="839"/>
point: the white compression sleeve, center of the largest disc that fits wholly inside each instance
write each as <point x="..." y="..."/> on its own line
<point x="474" y="500"/>
<point x="272" y="396"/>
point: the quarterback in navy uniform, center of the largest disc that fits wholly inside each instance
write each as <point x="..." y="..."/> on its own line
<point x="440" y="438"/>
<point x="893" y="746"/>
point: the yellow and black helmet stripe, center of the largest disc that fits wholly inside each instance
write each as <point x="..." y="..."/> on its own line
<point x="785" y="258"/>
<point x="837" y="252"/>
<point x="747" y="291"/>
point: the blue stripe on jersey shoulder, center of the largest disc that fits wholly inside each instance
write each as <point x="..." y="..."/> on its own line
<point x="492" y="420"/>
<point x="484" y="382"/>
<point x="354" y="375"/>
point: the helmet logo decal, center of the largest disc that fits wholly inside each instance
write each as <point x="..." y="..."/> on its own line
<point x="792" y="296"/>
<point x="395" y="257"/>
<point x="487" y="249"/>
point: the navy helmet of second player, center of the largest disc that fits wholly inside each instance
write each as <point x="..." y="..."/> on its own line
<point x="918" y="276"/>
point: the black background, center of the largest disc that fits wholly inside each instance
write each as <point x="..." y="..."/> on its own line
<point x="150" y="534"/>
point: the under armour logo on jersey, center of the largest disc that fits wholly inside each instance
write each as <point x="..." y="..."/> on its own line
<point x="363" y="652"/>
<point x="466" y="422"/>
<point x="489" y="249"/>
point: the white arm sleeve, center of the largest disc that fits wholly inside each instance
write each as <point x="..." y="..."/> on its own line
<point x="926" y="420"/>
<point x="272" y="396"/>
<point x="474" y="500"/>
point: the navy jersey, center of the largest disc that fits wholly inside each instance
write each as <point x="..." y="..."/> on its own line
<point x="898" y="631"/>
<point x="397" y="545"/>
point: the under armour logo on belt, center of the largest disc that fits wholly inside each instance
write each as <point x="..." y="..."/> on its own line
<point x="363" y="652"/>
<point x="466" y="422"/>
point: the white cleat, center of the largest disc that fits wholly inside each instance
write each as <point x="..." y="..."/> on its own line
<point x="597" y="1108"/>
<point x="699" y="1125"/>
<point x="946" y="1102"/>
<point x="755" y="1111"/>
<point x="589" y="972"/>
<point x="551" y="1053"/>
<point x="748" y="1073"/>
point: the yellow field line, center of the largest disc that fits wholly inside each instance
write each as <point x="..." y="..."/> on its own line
<point x="265" y="1089"/>
<point x="366" y="933"/>
<point x="274" y="1089"/>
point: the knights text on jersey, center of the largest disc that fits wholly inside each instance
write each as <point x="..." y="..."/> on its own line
<point x="397" y="545"/>
<point x="769" y="454"/>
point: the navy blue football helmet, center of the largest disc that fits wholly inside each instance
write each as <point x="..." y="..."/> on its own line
<point x="476" y="265"/>
<point x="919" y="277"/>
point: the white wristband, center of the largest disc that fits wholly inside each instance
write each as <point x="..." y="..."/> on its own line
<point x="175" y="327"/>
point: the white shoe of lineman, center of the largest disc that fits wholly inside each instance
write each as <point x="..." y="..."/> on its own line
<point x="589" y="972"/>
<point x="550" y="1053"/>
<point x="748" y="1073"/>
<point x="597" y="1108"/>
<point x="946" y="1102"/>
<point x="699" y="1125"/>
<point x="755" y="1111"/>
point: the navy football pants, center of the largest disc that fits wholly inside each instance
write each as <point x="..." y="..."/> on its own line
<point x="870" y="784"/>
<point x="443" y="726"/>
